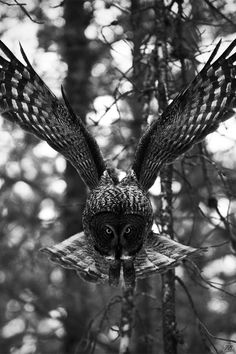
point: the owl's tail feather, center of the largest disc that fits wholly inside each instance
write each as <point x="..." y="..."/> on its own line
<point x="160" y="254"/>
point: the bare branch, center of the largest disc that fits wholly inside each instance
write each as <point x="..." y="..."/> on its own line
<point x="219" y="13"/>
<point x="22" y="7"/>
<point x="170" y="337"/>
<point x="197" y="271"/>
<point x="126" y="325"/>
<point x="180" y="281"/>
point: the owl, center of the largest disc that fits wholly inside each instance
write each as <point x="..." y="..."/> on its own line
<point x="118" y="241"/>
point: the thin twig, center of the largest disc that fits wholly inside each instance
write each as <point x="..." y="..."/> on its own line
<point x="27" y="13"/>
<point x="219" y="12"/>
<point x="197" y="271"/>
<point x="198" y="317"/>
<point x="126" y="327"/>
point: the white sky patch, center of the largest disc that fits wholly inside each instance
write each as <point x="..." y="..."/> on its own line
<point x="103" y="140"/>
<point x="218" y="305"/>
<point x="224" y="138"/>
<point x="155" y="228"/>
<point x="29" y="169"/>
<point x="121" y="174"/>
<point x="176" y="187"/>
<point x="203" y="208"/>
<point x="57" y="276"/>
<point x="104" y="16"/>
<point x="6" y="140"/>
<point x="24" y="32"/>
<point x="13" y="169"/>
<point x="45" y="61"/>
<point x="125" y="86"/>
<point x="42" y="149"/>
<point x="113" y="333"/>
<point x="91" y="32"/>
<point x="117" y="150"/>
<point x="155" y="190"/>
<point x="23" y="190"/>
<point x="6" y="144"/>
<point x="223" y="206"/>
<point x="57" y="186"/>
<point x="60" y="163"/>
<point x="2" y="181"/>
<point x="13" y="327"/>
<point x="15" y="236"/>
<point x="48" y="325"/>
<point x="98" y="69"/>
<point x="122" y="55"/>
<point x="226" y="265"/>
<point x="59" y="312"/>
<point x="47" y="210"/>
<point x="101" y="103"/>
<point x="28" y="345"/>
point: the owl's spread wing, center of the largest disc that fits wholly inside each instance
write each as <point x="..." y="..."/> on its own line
<point x="75" y="253"/>
<point x="157" y="256"/>
<point x="194" y="113"/>
<point x="26" y="100"/>
<point x="160" y="254"/>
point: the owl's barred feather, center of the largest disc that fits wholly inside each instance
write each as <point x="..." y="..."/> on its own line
<point x="192" y="115"/>
<point x="159" y="255"/>
<point x="26" y="100"/>
<point x="117" y="219"/>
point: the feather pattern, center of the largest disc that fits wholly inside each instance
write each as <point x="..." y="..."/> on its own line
<point x="75" y="253"/>
<point x="26" y="100"/>
<point x="159" y="254"/>
<point x="194" y="113"/>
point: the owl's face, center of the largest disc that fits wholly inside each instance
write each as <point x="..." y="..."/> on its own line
<point x="117" y="236"/>
<point x="117" y="218"/>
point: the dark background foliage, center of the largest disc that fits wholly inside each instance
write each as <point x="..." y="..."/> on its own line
<point x="105" y="54"/>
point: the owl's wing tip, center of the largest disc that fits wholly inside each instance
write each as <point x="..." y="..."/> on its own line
<point x="161" y="254"/>
<point x="45" y="250"/>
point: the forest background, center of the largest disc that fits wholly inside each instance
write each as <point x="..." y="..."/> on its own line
<point x="105" y="54"/>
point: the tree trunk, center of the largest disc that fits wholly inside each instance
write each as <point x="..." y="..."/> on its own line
<point x="77" y="55"/>
<point x="141" y="23"/>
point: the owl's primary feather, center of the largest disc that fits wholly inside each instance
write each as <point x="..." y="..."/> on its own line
<point x="194" y="113"/>
<point x="26" y="100"/>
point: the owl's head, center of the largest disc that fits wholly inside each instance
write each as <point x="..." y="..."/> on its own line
<point x="117" y="218"/>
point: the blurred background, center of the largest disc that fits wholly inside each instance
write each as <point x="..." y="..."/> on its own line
<point x="104" y="54"/>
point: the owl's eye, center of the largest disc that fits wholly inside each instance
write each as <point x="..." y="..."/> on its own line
<point x="108" y="231"/>
<point x="127" y="230"/>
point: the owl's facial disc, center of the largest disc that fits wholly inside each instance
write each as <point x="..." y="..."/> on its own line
<point x="118" y="238"/>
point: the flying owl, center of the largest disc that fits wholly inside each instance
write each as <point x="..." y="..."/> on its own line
<point x="118" y="217"/>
